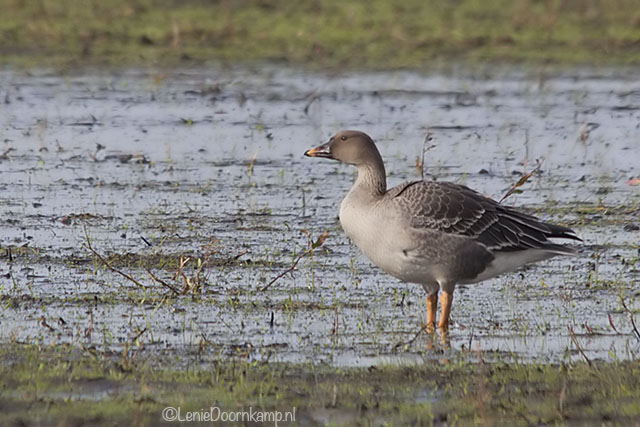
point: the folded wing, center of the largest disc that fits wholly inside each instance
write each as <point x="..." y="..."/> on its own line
<point x="459" y="210"/>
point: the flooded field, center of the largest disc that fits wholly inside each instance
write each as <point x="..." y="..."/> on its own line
<point x="204" y="168"/>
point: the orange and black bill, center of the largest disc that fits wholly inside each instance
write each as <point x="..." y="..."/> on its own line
<point x="321" y="151"/>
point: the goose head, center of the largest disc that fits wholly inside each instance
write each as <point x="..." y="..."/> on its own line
<point x="356" y="148"/>
<point x="348" y="146"/>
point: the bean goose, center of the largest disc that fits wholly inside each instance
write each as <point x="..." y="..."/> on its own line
<point x="436" y="234"/>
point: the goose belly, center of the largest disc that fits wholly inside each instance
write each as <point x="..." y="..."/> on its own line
<point x="384" y="242"/>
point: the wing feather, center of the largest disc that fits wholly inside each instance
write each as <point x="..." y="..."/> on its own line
<point x="459" y="210"/>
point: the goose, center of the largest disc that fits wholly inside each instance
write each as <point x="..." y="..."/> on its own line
<point x="436" y="234"/>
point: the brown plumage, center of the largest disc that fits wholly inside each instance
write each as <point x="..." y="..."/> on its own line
<point x="436" y="234"/>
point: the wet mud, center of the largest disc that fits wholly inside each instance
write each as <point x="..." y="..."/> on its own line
<point x="204" y="168"/>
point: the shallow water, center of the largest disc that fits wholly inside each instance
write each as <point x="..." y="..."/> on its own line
<point x="157" y="164"/>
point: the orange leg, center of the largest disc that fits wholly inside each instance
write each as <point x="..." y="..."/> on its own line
<point x="445" y="300"/>
<point x="432" y="307"/>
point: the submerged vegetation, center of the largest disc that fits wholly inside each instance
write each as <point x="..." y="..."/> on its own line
<point x="334" y="33"/>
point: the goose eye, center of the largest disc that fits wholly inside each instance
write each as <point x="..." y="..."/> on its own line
<point x="344" y="138"/>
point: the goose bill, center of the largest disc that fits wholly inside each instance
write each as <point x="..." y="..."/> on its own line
<point x="320" y="151"/>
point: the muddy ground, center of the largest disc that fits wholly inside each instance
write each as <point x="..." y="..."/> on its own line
<point x="207" y="164"/>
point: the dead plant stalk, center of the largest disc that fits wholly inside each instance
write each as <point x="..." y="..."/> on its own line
<point x="312" y="246"/>
<point x="107" y="264"/>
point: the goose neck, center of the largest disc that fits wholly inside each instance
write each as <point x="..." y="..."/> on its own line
<point x="372" y="177"/>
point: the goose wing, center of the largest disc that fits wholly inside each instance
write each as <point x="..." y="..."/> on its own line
<point x="458" y="210"/>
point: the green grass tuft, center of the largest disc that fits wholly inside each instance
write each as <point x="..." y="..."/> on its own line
<point x="328" y="34"/>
